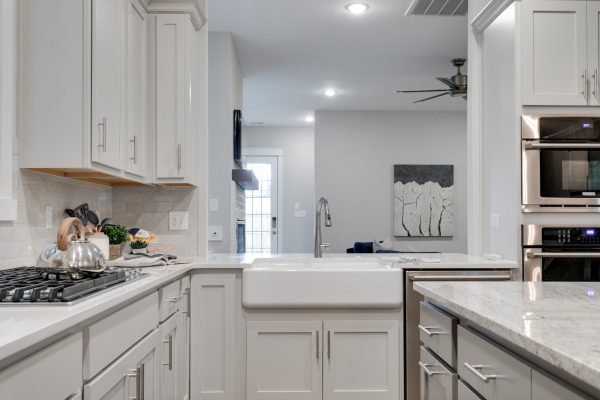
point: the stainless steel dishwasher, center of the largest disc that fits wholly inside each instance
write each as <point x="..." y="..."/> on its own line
<point x="412" y="343"/>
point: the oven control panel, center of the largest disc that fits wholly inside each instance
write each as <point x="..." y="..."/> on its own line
<point x="581" y="236"/>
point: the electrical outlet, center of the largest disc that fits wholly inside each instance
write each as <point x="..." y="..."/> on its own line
<point x="49" y="211"/>
<point x="178" y="221"/>
<point x="215" y="233"/>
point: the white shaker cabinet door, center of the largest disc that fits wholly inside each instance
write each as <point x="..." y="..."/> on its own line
<point x="172" y="339"/>
<point x="137" y="62"/>
<point x="361" y="360"/>
<point x="108" y="25"/>
<point x="284" y="360"/>
<point x="555" y="70"/>
<point x="465" y="393"/>
<point x="173" y="99"/>
<point x="593" y="39"/>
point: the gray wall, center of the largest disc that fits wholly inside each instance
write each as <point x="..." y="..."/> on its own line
<point x="355" y="153"/>
<point x="224" y="95"/>
<point x="298" y="148"/>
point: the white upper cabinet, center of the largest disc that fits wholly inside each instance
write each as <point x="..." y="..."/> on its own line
<point x="593" y="23"/>
<point x="174" y="56"/>
<point x="137" y="61"/>
<point x="555" y="59"/>
<point x="107" y="79"/>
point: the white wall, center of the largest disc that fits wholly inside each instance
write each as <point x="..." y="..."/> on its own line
<point x="501" y="182"/>
<point x="355" y="153"/>
<point x="224" y="95"/>
<point x="298" y="148"/>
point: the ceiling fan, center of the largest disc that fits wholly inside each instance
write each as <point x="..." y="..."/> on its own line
<point x="457" y="84"/>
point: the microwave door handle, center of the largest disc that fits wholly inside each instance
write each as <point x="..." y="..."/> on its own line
<point x="533" y="254"/>
<point x="583" y="146"/>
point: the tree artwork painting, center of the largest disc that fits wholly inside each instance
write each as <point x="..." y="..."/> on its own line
<point x="423" y="200"/>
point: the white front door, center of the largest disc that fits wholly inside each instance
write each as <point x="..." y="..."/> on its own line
<point x="262" y="220"/>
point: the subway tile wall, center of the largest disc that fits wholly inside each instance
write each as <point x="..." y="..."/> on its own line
<point x="149" y="207"/>
<point x="22" y="241"/>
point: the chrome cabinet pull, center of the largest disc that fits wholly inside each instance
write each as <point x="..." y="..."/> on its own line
<point x="142" y="380"/>
<point x="173" y="299"/>
<point x="474" y="369"/>
<point x="178" y="156"/>
<point x="585" y="84"/>
<point x="429" y="330"/>
<point x="329" y="345"/>
<point x="318" y="345"/>
<point x="186" y="293"/>
<point x="134" y="141"/>
<point x="135" y="373"/>
<point x="428" y="372"/>
<point x="103" y="125"/>
<point x="170" y="342"/>
<point x="595" y="84"/>
<point x="499" y="277"/>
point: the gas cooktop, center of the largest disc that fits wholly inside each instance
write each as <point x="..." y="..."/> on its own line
<point x="31" y="285"/>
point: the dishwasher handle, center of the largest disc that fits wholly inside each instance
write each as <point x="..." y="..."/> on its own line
<point x="451" y="277"/>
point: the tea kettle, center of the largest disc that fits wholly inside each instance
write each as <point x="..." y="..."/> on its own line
<point x="73" y="252"/>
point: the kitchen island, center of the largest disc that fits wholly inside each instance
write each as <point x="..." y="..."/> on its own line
<point x="549" y="327"/>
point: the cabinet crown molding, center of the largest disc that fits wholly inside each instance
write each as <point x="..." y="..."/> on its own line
<point x="192" y="7"/>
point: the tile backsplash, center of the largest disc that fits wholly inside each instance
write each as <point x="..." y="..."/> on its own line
<point x="21" y="241"/>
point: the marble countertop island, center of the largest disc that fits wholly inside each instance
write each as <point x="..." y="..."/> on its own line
<point x="558" y="322"/>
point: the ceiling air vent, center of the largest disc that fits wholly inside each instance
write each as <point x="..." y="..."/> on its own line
<point x="437" y="7"/>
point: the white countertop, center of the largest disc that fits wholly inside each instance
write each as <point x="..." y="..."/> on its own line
<point x="22" y="327"/>
<point x="558" y="322"/>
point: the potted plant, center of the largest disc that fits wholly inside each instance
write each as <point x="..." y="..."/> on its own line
<point x="138" y="246"/>
<point x="117" y="237"/>
<point x="139" y="240"/>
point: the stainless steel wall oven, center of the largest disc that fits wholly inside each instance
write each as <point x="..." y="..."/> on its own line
<point x="560" y="163"/>
<point x="561" y="253"/>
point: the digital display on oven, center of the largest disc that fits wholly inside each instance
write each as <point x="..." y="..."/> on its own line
<point x="590" y="232"/>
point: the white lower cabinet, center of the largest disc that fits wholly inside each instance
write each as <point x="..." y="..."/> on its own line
<point x="438" y="382"/>
<point x="172" y="356"/>
<point x="331" y="359"/>
<point x="544" y="388"/>
<point x="133" y="375"/>
<point x="284" y="360"/>
<point x="214" y="303"/>
<point x="52" y="373"/>
<point x="465" y="393"/>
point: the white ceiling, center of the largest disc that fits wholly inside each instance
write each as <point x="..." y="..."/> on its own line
<point x="291" y="50"/>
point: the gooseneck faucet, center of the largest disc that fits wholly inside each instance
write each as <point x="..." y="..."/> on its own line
<point x="319" y="245"/>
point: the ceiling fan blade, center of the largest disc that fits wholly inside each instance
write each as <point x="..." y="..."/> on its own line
<point x="421" y="91"/>
<point x="448" y="82"/>
<point x="432" y="97"/>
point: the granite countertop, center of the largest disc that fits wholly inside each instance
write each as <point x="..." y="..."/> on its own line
<point x="559" y="322"/>
<point x="25" y="328"/>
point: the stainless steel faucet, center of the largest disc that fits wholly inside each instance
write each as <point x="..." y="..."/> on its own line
<point x="319" y="245"/>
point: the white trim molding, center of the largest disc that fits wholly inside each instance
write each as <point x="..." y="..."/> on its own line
<point x="8" y="96"/>
<point x="489" y="13"/>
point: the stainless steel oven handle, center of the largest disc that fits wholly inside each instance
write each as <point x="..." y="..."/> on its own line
<point x="582" y="146"/>
<point x="533" y="254"/>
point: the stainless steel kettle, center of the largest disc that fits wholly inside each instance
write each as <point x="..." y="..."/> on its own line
<point x="73" y="252"/>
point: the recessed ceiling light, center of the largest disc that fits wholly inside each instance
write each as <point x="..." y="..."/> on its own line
<point x="330" y="92"/>
<point x="357" y="8"/>
<point x="309" y="119"/>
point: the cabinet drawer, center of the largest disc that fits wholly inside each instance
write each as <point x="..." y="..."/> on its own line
<point x="437" y="330"/>
<point x="546" y="388"/>
<point x="492" y="372"/>
<point x="168" y="297"/>
<point x="52" y="373"/>
<point x="110" y="337"/>
<point x="437" y="381"/>
<point x="465" y="392"/>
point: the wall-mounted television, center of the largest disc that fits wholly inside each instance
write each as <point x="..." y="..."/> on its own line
<point x="237" y="137"/>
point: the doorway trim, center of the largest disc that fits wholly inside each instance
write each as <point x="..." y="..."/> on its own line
<point x="273" y="152"/>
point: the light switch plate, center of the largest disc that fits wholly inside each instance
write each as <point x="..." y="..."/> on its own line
<point x="179" y="221"/>
<point x="300" y="213"/>
<point x="215" y="233"/>
<point x="213" y="205"/>
<point x="495" y="220"/>
<point x="49" y="211"/>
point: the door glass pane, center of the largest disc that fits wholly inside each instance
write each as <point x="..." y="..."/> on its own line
<point x="258" y="231"/>
<point x="570" y="173"/>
